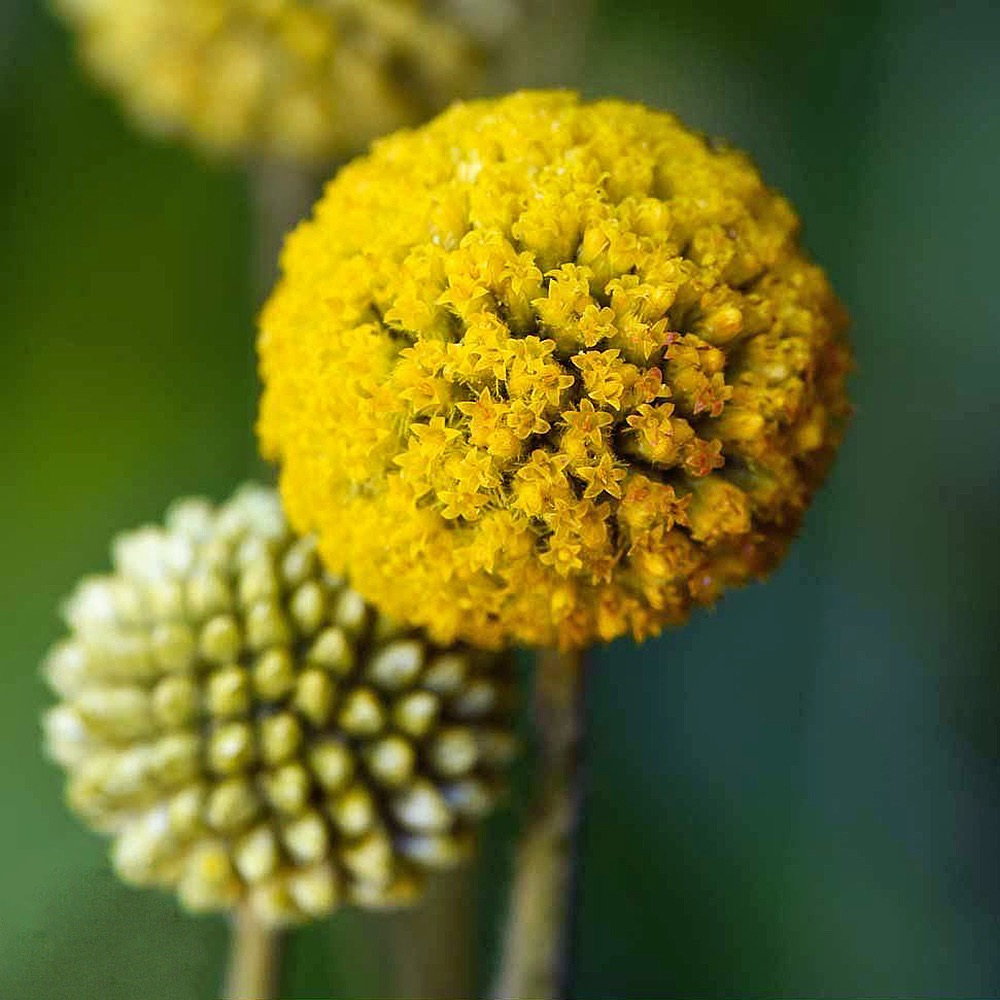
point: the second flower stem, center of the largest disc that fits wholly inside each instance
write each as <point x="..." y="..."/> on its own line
<point x="254" y="958"/>
<point x="429" y="949"/>
<point x="537" y="949"/>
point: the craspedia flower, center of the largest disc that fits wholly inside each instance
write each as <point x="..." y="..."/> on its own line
<point x="550" y="372"/>
<point x="247" y="729"/>
<point x="308" y="79"/>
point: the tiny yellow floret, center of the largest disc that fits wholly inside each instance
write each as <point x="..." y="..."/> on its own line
<point x="303" y="79"/>
<point x="550" y="372"/>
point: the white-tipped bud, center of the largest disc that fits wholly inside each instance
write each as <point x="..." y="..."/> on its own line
<point x="248" y="730"/>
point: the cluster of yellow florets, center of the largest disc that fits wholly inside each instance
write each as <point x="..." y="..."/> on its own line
<point x="248" y="729"/>
<point x="548" y="372"/>
<point x="308" y="79"/>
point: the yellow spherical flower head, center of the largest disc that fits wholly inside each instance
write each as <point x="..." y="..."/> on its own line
<point x="308" y="79"/>
<point x="247" y="728"/>
<point x="550" y="372"/>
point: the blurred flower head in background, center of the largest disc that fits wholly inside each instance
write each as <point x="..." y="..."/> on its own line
<point x="550" y="372"/>
<point x="303" y="79"/>
<point x="246" y="727"/>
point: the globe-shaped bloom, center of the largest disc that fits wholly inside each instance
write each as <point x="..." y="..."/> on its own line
<point x="248" y="729"/>
<point x="550" y="372"/>
<point x="306" y="79"/>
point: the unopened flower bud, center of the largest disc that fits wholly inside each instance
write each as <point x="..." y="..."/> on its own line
<point x="247" y="728"/>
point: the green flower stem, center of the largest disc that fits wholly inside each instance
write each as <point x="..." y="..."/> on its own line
<point x="537" y="948"/>
<point x="430" y="948"/>
<point x="255" y="958"/>
<point x="281" y="195"/>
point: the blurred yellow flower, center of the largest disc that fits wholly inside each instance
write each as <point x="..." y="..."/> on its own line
<point x="305" y="79"/>
<point x="550" y="372"/>
<point x="247" y="728"/>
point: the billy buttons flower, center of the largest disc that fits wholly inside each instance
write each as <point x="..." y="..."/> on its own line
<point x="246" y="728"/>
<point x="308" y="79"/>
<point x="550" y="372"/>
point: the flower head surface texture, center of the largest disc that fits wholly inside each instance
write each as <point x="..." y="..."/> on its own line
<point x="246" y="728"/>
<point x="303" y="79"/>
<point x="550" y="372"/>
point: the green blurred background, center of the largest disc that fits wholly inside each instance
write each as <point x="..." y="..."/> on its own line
<point x="798" y="794"/>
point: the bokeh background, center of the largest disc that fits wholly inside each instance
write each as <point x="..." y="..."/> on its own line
<point x="798" y="794"/>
